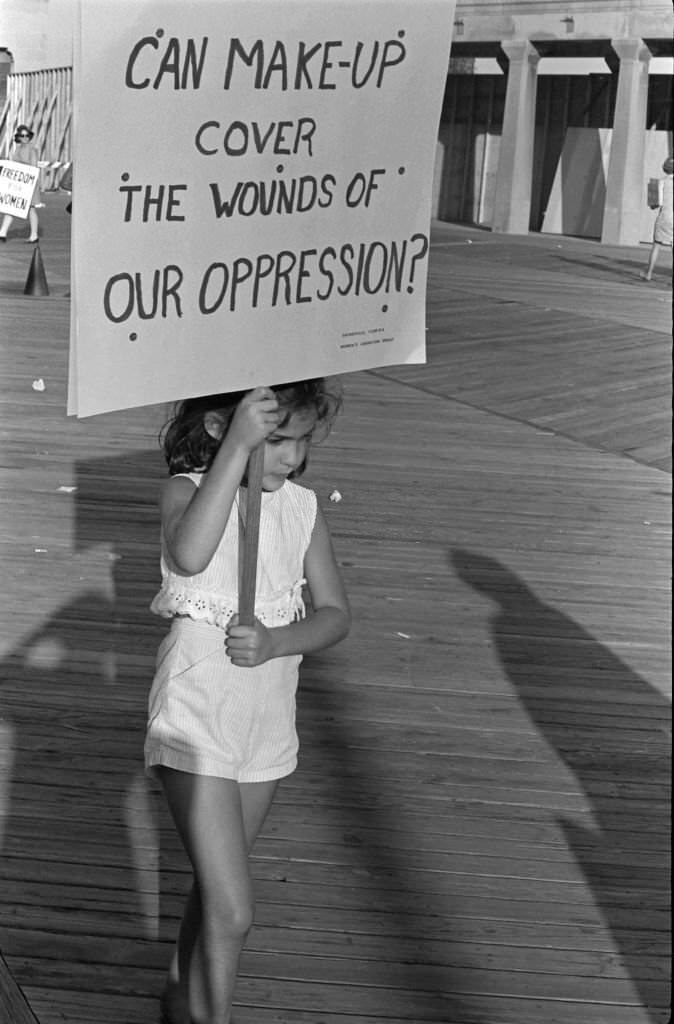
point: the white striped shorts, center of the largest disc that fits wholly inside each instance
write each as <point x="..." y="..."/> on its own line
<point x="209" y="717"/>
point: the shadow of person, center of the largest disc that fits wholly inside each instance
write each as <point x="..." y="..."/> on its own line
<point x="613" y="731"/>
<point x="80" y="817"/>
<point x="609" y="267"/>
<point x="365" y="866"/>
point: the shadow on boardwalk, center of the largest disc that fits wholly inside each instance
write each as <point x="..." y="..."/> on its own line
<point x="623" y="766"/>
<point x="102" y="889"/>
<point x="622" y="268"/>
<point x="77" y="693"/>
<point x="79" y="815"/>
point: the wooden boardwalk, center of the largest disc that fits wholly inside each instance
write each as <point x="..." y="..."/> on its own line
<point x="478" y="832"/>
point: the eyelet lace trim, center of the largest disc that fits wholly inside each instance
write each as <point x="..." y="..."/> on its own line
<point x="177" y="598"/>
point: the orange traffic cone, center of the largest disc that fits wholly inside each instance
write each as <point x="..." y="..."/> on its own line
<point x="36" y="282"/>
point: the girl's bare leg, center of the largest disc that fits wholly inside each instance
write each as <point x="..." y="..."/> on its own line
<point x="33" y="221"/>
<point x="5" y="226"/>
<point x="175" y="1000"/>
<point x="218" y="821"/>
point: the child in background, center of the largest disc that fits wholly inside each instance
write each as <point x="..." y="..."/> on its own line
<point x="221" y="729"/>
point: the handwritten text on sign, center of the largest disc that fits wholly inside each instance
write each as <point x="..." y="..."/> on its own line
<point x="269" y="207"/>
<point x="17" y="184"/>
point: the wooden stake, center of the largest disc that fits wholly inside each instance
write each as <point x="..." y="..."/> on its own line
<point x="251" y="537"/>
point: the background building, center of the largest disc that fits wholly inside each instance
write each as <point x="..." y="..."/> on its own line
<point x="570" y="120"/>
<point x="554" y="117"/>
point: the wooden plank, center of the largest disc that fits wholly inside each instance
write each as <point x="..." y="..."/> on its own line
<point x="621" y="399"/>
<point x="314" y="925"/>
<point x="324" y="983"/>
<point x="459" y="835"/>
<point x="440" y="911"/>
<point x="14" y="1008"/>
<point x="616" y="870"/>
<point x="345" y="956"/>
<point x="645" y="901"/>
<point x="134" y="1010"/>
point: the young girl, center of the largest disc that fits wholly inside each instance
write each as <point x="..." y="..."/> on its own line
<point x="221" y="729"/>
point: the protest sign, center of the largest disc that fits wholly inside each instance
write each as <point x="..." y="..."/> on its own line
<point x="17" y="184"/>
<point x="252" y="192"/>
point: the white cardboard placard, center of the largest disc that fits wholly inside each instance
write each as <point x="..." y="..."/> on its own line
<point x="17" y="184"/>
<point x="252" y="190"/>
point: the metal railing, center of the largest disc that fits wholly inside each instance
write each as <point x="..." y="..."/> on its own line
<point x="42" y="100"/>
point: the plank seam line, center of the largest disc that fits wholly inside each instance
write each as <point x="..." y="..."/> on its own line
<point x="10" y="990"/>
<point x="514" y="419"/>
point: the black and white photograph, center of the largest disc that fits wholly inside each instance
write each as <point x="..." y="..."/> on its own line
<point x="335" y="511"/>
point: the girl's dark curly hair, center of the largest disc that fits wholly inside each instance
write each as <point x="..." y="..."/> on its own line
<point x="189" y="448"/>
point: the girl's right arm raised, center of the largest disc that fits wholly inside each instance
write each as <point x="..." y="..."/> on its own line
<point x="194" y="518"/>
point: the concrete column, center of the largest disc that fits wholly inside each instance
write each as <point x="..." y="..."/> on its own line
<point x="625" y="195"/>
<point x="512" y="201"/>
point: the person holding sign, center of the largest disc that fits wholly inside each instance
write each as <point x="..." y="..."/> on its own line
<point x="24" y="152"/>
<point x="221" y="725"/>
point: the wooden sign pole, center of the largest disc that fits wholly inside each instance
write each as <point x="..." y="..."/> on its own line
<point x="251" y="537"/>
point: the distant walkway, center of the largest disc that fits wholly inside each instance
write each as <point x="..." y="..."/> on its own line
<point x="558" y="332"/>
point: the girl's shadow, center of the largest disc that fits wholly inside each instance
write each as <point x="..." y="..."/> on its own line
<point x="613" y="730"/>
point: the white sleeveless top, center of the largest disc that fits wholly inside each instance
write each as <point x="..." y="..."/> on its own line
<point x="287" y="518"/>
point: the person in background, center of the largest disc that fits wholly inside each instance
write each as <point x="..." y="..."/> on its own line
<point x="24" y="152"/>
<point x="662" y="230"/>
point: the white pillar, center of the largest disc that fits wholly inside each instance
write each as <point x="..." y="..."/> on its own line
<point x="512" y="201"/>
<point x="625" y="187"/>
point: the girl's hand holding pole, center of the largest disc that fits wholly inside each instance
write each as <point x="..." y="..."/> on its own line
<point x="255" y="418"/>
<point x="248" y="646"/>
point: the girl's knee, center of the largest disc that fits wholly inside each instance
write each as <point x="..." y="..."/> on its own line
<point x="229" y="920"/>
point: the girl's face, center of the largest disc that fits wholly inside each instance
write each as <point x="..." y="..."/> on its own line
<point x="286" y="449"/>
